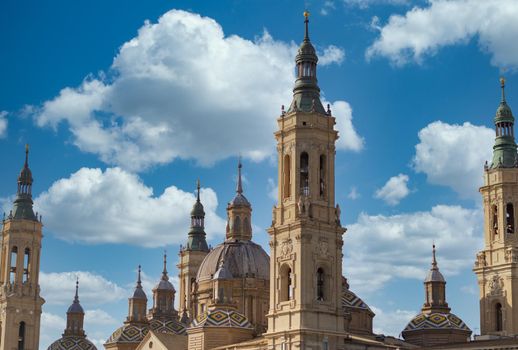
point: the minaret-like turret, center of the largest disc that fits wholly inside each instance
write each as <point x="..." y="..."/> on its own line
<point x="239" y="213"/>
<point x="19" y="269"/>
<point x="435" y="289"/>
<point x="191" y="257"/>
<point x="75" y="317"/>
<point x="504" y="150"/>
<point x="137" y="303"/>
<point x="163" y="297"/>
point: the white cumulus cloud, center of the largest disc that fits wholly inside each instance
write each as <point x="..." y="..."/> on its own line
<point x="58" y="288"/>
<point x="363" y="4"/>
<point x="422" y="31"/>
<point x="182" y="89"/>
<point x="454" y="155"/>
<point x="114" y="206"/>
<point x="348" y="137"/>
<point x="353" y="194"/>
<point x="3" y="124"/>
<point x="331" y="54"/>
<point x="394" y="190"/>
<point x="391" y="322"/>
<point x="379" y="248"/>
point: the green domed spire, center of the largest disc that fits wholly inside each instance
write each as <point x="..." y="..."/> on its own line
<point x="306" y="93"/>
<point x="504" y="150"/>
<point x="22" y="208"/>
<point x="196" y="240"/>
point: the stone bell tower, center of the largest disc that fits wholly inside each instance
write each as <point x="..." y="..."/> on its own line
<point x="306" y="235"/>
<point x="496" y="266"/>
<point x="20" y="301"/>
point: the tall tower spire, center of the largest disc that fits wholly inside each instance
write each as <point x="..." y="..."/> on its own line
<point x="497" y="261"/>
<point x="137" y="303"/>
<point x="19" y="269"/>
<point x="435" y="288"/>
<point x="306" y="235"/>
<point x="504" y="150"/>
<point x="163" y="296"/>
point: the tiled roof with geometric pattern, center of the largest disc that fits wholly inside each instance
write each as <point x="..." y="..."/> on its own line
<point x="436" y="320"/>
<point x="72" y="343"/>
<point x="132" y="333"/>
<point x="222" y="318"/>
<point x="351" y="300"/>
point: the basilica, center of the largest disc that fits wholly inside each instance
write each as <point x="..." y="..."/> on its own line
<point x="238" y="296"/>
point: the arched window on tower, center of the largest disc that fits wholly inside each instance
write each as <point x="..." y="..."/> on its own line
<point x="509" y="217"/>
<point x="498" y="318"/>
<point x="12" y="264"/>
<point x="287" y="177"/>
<point x="286" y="284"/>
<point x="494" y="220"/>
<point x="320" y="284"/>
<point x="26" y="264"/>
<point x="322" y="176"/>
<point x="304" y="173"/>
<point x="21" y="336"/>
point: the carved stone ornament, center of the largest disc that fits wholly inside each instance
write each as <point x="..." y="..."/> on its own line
<point x="511" y="255"/>
<point x="481" y="259"/>
<point x="286" y="248"/>
<point x="496" y="285"/>
<point x="323" y="248"/>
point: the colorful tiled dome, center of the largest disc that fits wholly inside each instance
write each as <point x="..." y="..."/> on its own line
<point x="351" y="300"/>
<point x="129" y="333"/>
<point x="222" y="318"/>
<point x="436" y="320"/>
<point x="72" y="343"/>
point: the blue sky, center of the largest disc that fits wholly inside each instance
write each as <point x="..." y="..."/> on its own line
<point x="126" y="104"/>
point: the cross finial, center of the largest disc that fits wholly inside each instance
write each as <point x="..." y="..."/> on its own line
<point x="306" y="21"/>
<point x="76" y="297"/>
<point x="434" y="260"/>
<point x="139" y="281"/>
<point x="164" y="273"/>
<point x="239" y="184"/>
<point x="198" y="190"/>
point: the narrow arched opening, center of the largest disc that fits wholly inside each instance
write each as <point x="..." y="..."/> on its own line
<point x="12" y="264"/>
<point x="320" y="284"/>
<point x="286" y="283"/>
<point x="498" y="317"/>
<point x="26" y="264"/>
<point x="494" y="219"/>
<point x="21" y="336"/>
<point x="286" y="184"/>
<point x="509" y="217"/>
<point x="322" y="176"/>
<point x="304" y="173"/>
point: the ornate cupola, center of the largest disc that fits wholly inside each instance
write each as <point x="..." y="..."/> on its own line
<point x="435" y="325"/>
<point x="163" y="296"/>
<point x="75" y="317"/>
<point x="239" y="213"/>
<point x="137" y="303"/>
<point x="504" y="150"/>
<point x="435" y="289"/>
<point x="306" y="93"/>
<point x="197" y="240"/>
<point x="22" y="208"/>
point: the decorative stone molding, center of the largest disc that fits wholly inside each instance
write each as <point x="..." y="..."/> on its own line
<point x="496" y="285"/>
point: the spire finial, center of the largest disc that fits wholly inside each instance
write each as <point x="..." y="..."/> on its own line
<point x="502" y="85"/>
<point x="26" y="155"/>
<point x="139" y="281"/>
<point x="198" y="190"/>
<point x="164" y="273"/>
<point x="306" y="21"/>
<point x="239" y="185"/>
<point x="76" y="297"/>
<point x="434" y="260"/>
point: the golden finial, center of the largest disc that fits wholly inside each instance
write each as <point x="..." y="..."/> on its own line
<point x="306" y="14"/>
<point x="26" y="148"/>
<point x="502" y="85"/>
<point x="502" y="81"/>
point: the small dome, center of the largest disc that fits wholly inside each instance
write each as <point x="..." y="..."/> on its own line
<point x="197" y="209"/>
<point x="25" y="176"/>
<point x="240" y="201"/>
<point x="504" y="112"/>
<point x="351" y="300"/>
<point x="434" y="275"/>
<point x="167" y="326"/>
<point x="139" y="294"/>
<point x="436" y="320"/>
<point x="129" y="333"/>
<point x="164" y="285"/>
<point x="242" y="258"/>
<point x="72" y="343"/>
<point x="222" y="318"/>
<point x="75" y="308"/>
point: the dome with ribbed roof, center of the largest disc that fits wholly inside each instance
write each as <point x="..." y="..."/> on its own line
<point x="242" y="259"/>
